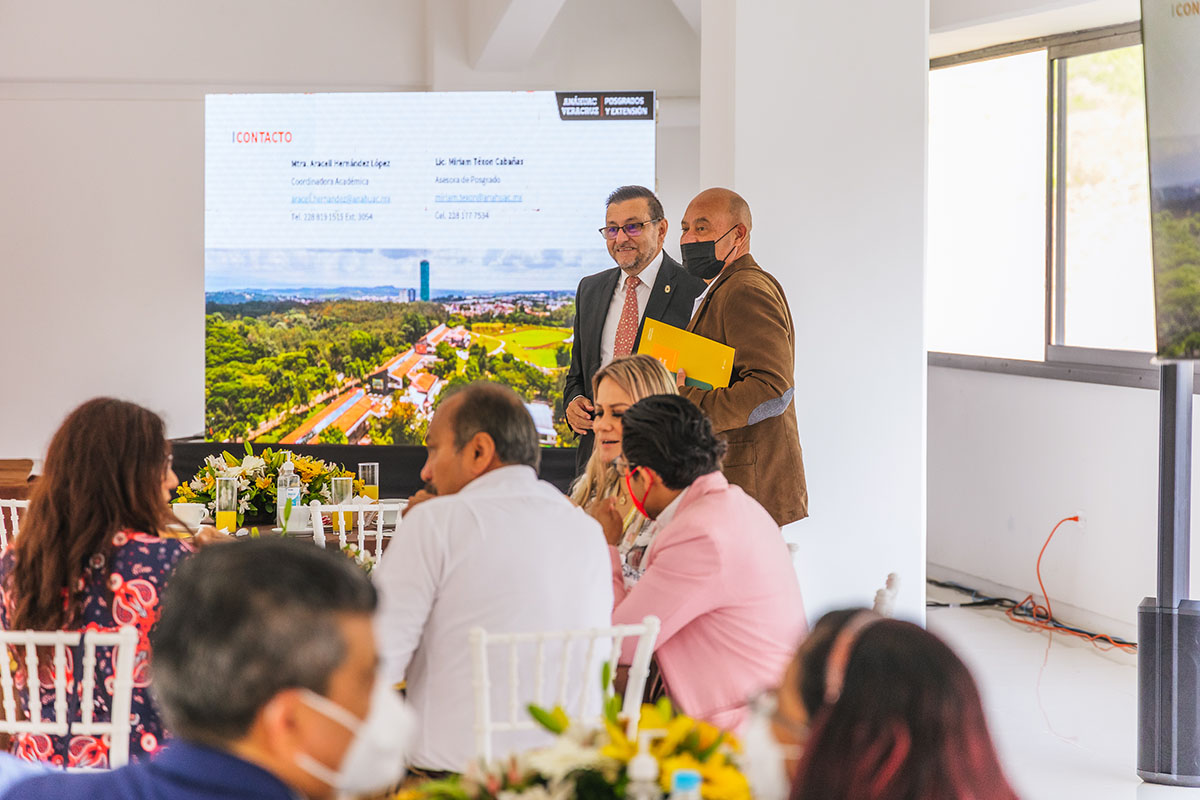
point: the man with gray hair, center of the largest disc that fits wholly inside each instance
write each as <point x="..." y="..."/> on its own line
<point x="495" y="548"/>
<point x="265" y="667"/>
<point x="612" y="306"/>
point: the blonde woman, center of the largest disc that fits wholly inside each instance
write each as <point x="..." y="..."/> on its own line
<point x="616" y="387"/>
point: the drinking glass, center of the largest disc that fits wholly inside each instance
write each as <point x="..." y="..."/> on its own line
<point x="227" y="505"/>
<point x="343" y="493"/>
<point x="368" y="473"/>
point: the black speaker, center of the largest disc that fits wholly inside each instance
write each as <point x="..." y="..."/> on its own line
<point x="1169" y="693"/>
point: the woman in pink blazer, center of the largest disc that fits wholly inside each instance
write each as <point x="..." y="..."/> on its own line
<point x="718" y="574"/>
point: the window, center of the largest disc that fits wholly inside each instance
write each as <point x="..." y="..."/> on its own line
<point x="1108" y="297"/>
<point x="986" y="274"/>
<point x="1039" y="219"/>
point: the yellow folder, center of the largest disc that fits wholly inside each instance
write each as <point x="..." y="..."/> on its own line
<point x="708" y="364"/>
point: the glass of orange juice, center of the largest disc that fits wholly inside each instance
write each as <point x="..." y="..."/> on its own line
<point x="368" y="473"/>
<point x="226" y="517"/>
<point x="343" y="493"/>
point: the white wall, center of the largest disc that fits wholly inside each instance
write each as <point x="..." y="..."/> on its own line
<point x="102" y="224"/>
<point x="832" y="162"/>
<point x="376" y="43"/>
<point x="1010" y="456"/>
<point x="101" y="123"/>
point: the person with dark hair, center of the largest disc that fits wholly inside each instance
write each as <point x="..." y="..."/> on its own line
<point x="717" y="573"/>
<point x="496" y="548"/>
<point x="266" y="669"/>
<point x="745" y="307"/>
<point x="874" y="709"/>
<point x="91" y="556"/>
<point x="611" y="306"/>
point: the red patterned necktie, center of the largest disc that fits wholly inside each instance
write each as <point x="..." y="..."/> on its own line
<point x="628" y="325"/>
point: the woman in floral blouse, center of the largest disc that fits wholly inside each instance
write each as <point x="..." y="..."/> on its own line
<point x="89" y="557"/>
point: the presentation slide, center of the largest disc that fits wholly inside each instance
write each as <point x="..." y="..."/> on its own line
<point x="365" y="252"/>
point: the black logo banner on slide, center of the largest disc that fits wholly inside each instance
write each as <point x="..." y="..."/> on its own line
<point x="608" y="106"/>
<point x="1171" y="44"/>
<point x="366" y="253"/>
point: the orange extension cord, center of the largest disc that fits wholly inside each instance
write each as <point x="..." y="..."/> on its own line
<point x="1042" y="618"/>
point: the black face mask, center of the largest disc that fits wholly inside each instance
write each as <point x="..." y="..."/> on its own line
<point x="700" y="258"/>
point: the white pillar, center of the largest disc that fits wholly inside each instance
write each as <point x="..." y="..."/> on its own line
<point x="829" y="149"/>
<point x="717" y="68"/>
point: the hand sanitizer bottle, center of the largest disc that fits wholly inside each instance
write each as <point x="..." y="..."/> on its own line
<point x="643" y="774"/>
<point x="685" y="785"/>
<point x="287" y="495"/>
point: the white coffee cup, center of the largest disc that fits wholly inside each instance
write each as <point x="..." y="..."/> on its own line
<point x="389" y="516"/>
<point x="190" y="513"/>
<point x="298" y="519"/>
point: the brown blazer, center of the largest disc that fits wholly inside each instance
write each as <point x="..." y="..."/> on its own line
<point x="746" y="309"/>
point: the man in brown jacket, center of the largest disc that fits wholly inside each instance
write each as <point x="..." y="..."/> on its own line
<point x="745" y="308"/>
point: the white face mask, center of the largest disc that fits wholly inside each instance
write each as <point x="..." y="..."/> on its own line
<point x="375" y="759"/>
<point x="765" y="758"/>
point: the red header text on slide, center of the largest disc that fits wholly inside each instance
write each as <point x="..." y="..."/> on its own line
<point x="262" y="137"/>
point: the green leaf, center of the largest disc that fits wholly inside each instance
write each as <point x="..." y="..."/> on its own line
<point x="546" y="719"/>
<point x="664" y="708"/>
<point x="229" y="459"/>
<point x="612" y="709"/>
<point x="606" y="678"/>
<point x="249" y="449"/>
<point x="444" y="789"/>
<point x="707" y="752"/>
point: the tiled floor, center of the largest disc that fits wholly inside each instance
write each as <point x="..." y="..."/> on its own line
<point x="1062" y="712"/>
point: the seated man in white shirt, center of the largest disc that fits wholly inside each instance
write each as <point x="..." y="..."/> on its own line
<point x="496" y="548"/>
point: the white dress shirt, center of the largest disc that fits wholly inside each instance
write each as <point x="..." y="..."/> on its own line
<point x="608" y="336"/>
<point x="510" y="554"/>
<point x="700" y="298"/>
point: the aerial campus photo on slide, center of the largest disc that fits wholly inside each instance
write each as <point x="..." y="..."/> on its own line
<point x="366" y="252"/>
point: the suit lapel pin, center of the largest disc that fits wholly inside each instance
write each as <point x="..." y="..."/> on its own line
<point x="667" y="288"/>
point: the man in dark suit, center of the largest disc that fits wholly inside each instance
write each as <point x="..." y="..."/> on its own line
<point x="745" y="307"/>
<point x="611" y="306"/>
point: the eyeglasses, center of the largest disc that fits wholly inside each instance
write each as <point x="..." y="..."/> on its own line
<point x="631" y="228"/>
<point x="623" y="466"/>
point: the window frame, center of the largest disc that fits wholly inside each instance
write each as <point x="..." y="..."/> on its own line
<point x="1060" y="361"/>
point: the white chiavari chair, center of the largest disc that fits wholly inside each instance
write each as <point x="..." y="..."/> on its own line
<point x="351" y="519"/>
<point x="10" y="520"/>
<point x="23" y="646"/>
<point x="885" y="598"/>
<point x="519" y="699"/>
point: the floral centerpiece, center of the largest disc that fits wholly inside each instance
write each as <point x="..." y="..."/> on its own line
<point x="363" y="558"/>
<point x="257" y="476"/>
<point x="591" y="762"/>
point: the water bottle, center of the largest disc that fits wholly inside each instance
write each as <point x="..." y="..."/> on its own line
<point x="643" y="774"/>
<point x="685" y="785"/>
<point x="287" y="492"/>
